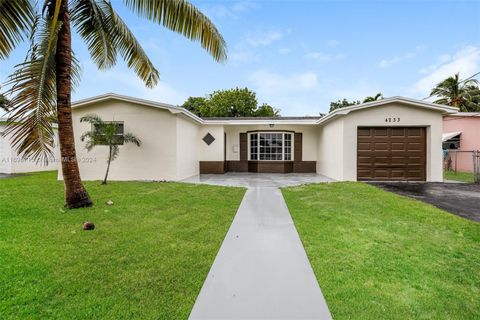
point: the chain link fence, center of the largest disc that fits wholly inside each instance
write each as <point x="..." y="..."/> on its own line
<point x="476" y="166"/>
<point x="462" y="165"/>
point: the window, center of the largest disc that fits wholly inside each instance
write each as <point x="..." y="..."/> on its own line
<point x="270" y="146"/>
<point x="117" y="127"/>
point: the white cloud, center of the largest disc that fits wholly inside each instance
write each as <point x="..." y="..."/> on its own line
<point x="324" y="57"/>
<point x="466" y="62"/>
<point x="244" y="6"/>
<point x="263" y="38"/>
<point x="241" y="56"/>
<point x="385" y="63"/>
<point x="270" y="82"/>
<point x="356" y="90"/>
<point x="249" y="48"/>
<point x="294" y="94"/>
<point x="284" y="50"/>
<point x="333" y="43"/>
<point x="230" y="11"/>
<point x="124" y="81"/>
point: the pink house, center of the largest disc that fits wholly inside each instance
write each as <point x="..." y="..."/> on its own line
<point x="461" y="132"/>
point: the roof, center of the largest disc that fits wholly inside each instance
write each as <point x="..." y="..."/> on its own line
<point x="465" y="114"/>
<point x="261" y="120"/>
<point x="402" y="100"/>
<point x="113" y="96"/>
<point x="267" y="120"/>
<point x="449" y="135"/>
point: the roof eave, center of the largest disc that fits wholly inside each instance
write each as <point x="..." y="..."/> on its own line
<point x="113" y="96"/>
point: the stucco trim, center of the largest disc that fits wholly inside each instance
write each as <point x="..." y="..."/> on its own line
<point x="401" y="100"/>
<point x="113" y="96"/>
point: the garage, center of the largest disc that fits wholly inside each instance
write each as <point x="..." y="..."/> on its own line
<point x="391" y="153"/>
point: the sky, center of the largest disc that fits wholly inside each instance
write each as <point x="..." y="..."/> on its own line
<point x="299" y="55"/>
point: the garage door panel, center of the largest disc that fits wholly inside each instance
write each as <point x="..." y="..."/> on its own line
<point x="399" y="174"/>
<point x="391" y="153"/>
<point x="398" y="146"/>
<point x="381" y="146"/>
<point x="379" y="132"/>
<point x="398" y="132"/>
<point x="365" y="146"/>
<point x="415" y="132"/>
<point x="381" y="173"/>
<point x="363" y="132"/>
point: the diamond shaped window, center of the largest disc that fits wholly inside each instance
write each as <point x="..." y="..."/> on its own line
<point x="208" y="139"/>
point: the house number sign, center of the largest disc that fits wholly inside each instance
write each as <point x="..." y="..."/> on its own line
<point x="394" y="119"/>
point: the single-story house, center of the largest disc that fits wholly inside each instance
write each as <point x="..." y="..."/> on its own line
<point x="392" y="139"/>
<point x="461" y="136"/>
<point x="11" y="162"/>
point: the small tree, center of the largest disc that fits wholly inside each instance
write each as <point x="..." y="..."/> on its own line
<point x="378" y="96"/>
<point x="235" y="102"/>
<point x="106" y="133"/>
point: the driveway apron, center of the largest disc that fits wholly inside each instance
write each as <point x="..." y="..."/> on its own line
<point x="261" y="270"/>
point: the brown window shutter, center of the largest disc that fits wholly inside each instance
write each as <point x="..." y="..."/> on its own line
<point x="243" y="147"/>
<point x="297" y="155"/>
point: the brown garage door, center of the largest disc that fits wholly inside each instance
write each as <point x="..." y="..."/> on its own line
<point x="391" y="153"/>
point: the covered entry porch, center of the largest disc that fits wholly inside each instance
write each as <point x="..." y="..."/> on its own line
<point x="287" y="145"/>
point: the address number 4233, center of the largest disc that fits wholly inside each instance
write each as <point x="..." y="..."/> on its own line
<point x="396" y="119"/>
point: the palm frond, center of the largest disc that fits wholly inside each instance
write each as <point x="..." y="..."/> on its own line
<point x="92" y="119"/>
<point x="130" y="49"/>
<point x="183" y="17"/>
<point x="90" y="19"/>
<point x="115" y="150"/>
<point x="33" y="88"/>
<point x="130" y="138"/>
<point x="16" y="18"/>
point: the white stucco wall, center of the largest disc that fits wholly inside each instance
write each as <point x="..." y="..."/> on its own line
<point x="408" y="115"/>
<point x="155" y="159"/>
<point x="188" y="142"/>
<point x="330" y="149"/>
<point x="12" y="162"/>
<point x="5" y="153"/>
<point x="309" y="138"/>
<point x="214" y="151"/>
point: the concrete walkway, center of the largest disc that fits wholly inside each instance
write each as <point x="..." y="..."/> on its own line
<point x="261" y="270"/>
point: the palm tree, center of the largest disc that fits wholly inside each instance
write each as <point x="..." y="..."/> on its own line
<point x="3" y="102"/>
<point x="106" y="134"/>
<point x="378" y="96"/>
<point x="455" y="92"/>
<point x="41" y="86"/>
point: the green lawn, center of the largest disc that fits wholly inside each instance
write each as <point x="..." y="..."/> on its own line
<point x="378" y="255"/>
<point x="459" y="176"/>
<point x="147" y="259"/>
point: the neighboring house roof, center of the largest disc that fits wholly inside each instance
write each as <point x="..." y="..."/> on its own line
<point x="267" y="120"/>
<point x="465" y="114"/>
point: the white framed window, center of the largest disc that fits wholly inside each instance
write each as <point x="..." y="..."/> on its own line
<point x="270" y="146"/>
<point x="117" y="126"/>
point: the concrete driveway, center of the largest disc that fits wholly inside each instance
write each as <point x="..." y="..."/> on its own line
<point x="261" y="270"/>
<point x="462" y="199"/>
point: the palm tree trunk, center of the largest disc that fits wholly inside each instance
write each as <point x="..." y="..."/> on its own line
<point x="75" y="194"/>
<point x="108" y="165"/>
